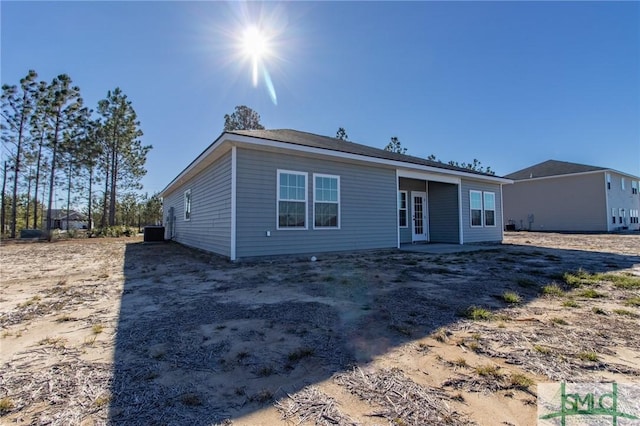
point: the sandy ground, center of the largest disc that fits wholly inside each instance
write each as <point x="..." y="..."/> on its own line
<point x="115" y="331"/>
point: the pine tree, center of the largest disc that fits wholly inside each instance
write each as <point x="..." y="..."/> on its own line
<point x="124" y="155"/>
<point x="17" y="107"/>
<point x="64" y="104"/>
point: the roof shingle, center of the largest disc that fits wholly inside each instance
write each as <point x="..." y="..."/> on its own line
<point x="552" y="168"/>
<point x="324" y="142"/>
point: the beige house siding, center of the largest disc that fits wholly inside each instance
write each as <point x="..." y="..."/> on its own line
<point x="561" y="203"/>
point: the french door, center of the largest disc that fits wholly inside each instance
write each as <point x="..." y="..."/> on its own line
<point x="420" y="226"/>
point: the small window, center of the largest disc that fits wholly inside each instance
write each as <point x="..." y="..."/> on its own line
<point x="475" y="202"/>
<point x="489" y="209"/>
<point x="326" y="201"/>
<point x="620" y="214"/>
<point x="634" y="187"/>
<point x="402" y="209"/>
<point x="613" y="215"/>
<point x="292" y="200"/>
<point x="187" y="204"/>
<point x="622" y="183"/>
<point x="608" y="181"/>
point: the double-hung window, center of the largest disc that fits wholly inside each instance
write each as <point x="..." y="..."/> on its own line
<point x="622" y="183"/>
<point x="475" y="199"/>
<point x="613" y="215"/>
<point x="326" y="201"/>
<point x="634" y="187"/>
<point x="608" y="181"/>
<point x="402" y="209"/>
<point x="187" y="204"/>
<point x="489" y="208"/>
<point x="292" y="200"/>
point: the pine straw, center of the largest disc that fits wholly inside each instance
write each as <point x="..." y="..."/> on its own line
<point x="311" y="405"/>
<point x="401" y="400"/>
<point x="71" y="390"/>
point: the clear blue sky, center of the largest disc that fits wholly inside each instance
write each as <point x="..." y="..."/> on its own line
<point x="508" y="83"/>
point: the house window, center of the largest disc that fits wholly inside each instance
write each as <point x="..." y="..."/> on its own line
<point x="475" y="201"/>
<point x="187" y="204"/>
<point x="620" y="214"/>
<point x="326" y="201"/>
<point x="613" y="215"/>
<point x="402" y="209"/>
<point x="489" y="208"/>
<point x="634" y="187"/>
<point x="622" y="182"/>
<point x="292" y="200"/>
<point x="608" y="181"/>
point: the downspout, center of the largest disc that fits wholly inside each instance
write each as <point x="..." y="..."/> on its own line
<point x="606" y="204"/>
<point x="234" y="164"/>
<point x="501" y="214"/>
<point x="397" y="211"/>
<point x="460" y="212"/>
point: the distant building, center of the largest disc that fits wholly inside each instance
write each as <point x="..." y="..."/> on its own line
<point x="561" y="196"/>
<point x="59" y="220"/>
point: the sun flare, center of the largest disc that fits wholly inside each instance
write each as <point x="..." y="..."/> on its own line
<point x="255" y="46"/>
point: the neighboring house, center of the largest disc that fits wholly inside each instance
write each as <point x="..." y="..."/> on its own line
<point x="560" y="196"/>
<point x="280" y="192"/>
<point x="59" y="220"/>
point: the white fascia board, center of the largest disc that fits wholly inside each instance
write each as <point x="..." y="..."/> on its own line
<point x="412" y="174"/>
<point x="193" y="166"/>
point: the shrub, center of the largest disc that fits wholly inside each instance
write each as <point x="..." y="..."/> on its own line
<point x="552" y="290"/>
<point x="477" y="313"/>
<point x="511" y="297"/>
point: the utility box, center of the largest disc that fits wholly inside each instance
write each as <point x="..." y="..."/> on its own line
<point x="153" y="234"/>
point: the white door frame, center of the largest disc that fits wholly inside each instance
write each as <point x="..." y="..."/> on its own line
<point x="419" y="225"/>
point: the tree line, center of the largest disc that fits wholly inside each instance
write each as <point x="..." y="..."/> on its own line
<point x="54" y="145"/>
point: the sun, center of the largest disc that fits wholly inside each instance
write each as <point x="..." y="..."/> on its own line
<point x="255" y="45"/>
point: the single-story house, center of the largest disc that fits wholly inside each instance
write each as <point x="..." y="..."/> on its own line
<point x="280" y="192"/>
<point x="60" y="220"/>
<point x="561" y="196"/>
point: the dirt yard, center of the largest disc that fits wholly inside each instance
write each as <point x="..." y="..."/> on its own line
<point x="118" y="332"/>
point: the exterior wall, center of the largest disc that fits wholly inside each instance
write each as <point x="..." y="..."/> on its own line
<point x="619" y="198"/>
<point x="444" y="223"/>
<point x="210" y="225"/>
<point x="409" y="185"/>
<point x="484" y="233"/>
<point x="564" y="203"/>
<point x="368" y="206"/>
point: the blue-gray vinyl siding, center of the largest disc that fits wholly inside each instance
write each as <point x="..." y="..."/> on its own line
<point x="482" y="233"/>
<point x="444" y="223"/>
<point x="209" y="227"/>
<point x="368" y="207"/>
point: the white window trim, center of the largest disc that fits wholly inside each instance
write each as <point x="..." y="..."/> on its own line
<point x="471" y="191"/>
<point x="323" y="228"/>
<point x="406" y="210"/>
<point x="484" y="209"/>
<point x="306" y="204"/>
<point x="187" y="208"/>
